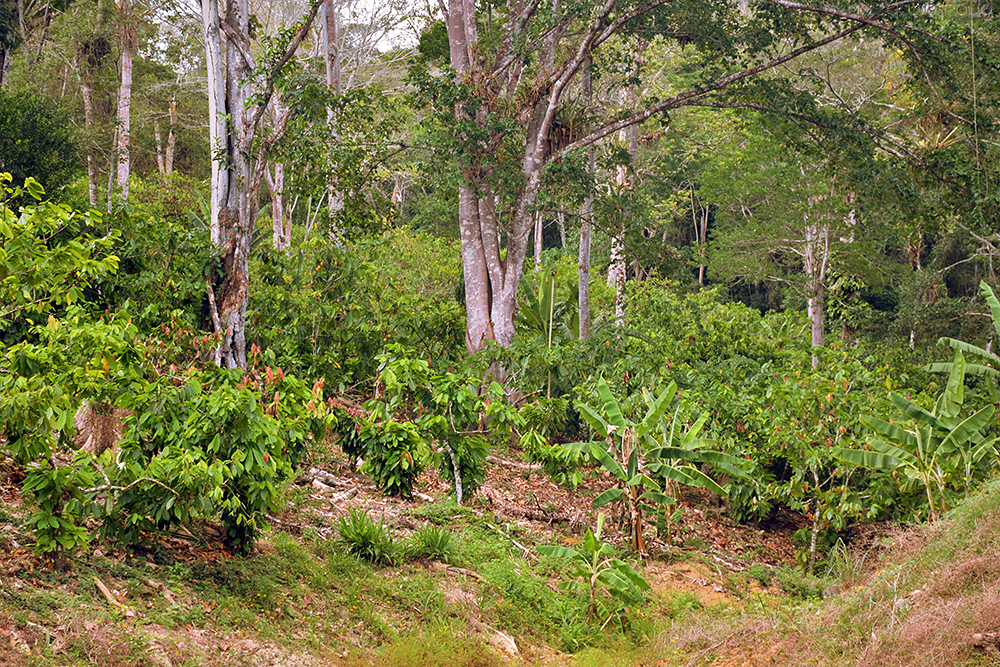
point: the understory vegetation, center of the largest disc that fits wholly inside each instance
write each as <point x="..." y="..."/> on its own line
<point x="592" y="333"/>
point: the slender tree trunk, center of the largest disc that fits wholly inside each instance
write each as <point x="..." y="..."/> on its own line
<point x="700" y="233"/>
<point x="815" y="261"/>
<point x="334" y="82"/>
<point x="586" y="219"/>
<point x="216" y="111"/>
<point x="125" y="101"/>
<point x="616" y="270"/>
<point x="88" y="120"/>
<point x="158" y="140"/>
<point x="280" y="237"/>
<point x="3" y="65"/>
<point x="276" y="185"/>
<point x="47" y="19"/>
<point x="168" y="158"/>
<point x="539" y="240"/>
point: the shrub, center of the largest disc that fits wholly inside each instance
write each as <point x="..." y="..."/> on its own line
<point x="395" y="454"/>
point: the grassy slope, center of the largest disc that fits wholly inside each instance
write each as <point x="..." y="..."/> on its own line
<point x="301" y="601"/>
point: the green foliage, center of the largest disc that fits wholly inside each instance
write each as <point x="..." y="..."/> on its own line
<point x="349" y="151"/>
<point x="799" y="585"/>
<point x="209" y="444"/>
<point x="394" y="453"/>
<point x="60" y="505"/>
<point x="762" y="573"/>
<point x="989" y="362"/>
<point x="432" y="542"/>
<point x="366" y="538"/>
<point x="631" y="448"/>
<point x="164" y="249"/>
<point x="450" y="411"/>
<point x="943" y="447"/>
<point x="35" y="140"/>
<point x="324" y="309"/>
<point x="49" y="255"/>
<point x="198" y="443"/>
<point x="599" y="569"/>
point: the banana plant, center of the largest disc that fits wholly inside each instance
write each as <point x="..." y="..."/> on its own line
<point x="597" y="565"/>
<point x="647" y="458"/>
<point x="940" y="444"/>
<point x="988" y="364"/>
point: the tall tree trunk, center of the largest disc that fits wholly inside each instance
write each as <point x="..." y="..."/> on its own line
<point x="158" y="140"/>
<point x="242" y="160"/>
<point x="539" y="240"/>
<point x="586" y="219"/>
<point x="815" y="262"/>
<point x="88" y="119"/>
<point x="125" y="99"/>
<point x="280" y="236"/>
<point x="276" y="185"/>
<point x="217" y="137"/>
<point x="616" y="270"/>
<point x="699" y="215"/>
<point x="331" y="57"/>
<point x="168" y="158"/>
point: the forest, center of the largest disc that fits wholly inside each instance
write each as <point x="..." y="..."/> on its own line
<point x="546" y="298"/>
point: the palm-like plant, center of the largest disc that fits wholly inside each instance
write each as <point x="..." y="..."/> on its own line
<point x="989" y="362"/>
<point x="940" y="444"/>
<point x="646" y="458"/>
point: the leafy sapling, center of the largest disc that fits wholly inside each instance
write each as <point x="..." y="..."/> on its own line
<point x="598" y="568"/>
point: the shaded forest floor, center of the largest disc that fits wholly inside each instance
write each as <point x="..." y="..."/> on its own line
<point x="722" y="594"/>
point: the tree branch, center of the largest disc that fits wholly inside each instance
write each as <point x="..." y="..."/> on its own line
<point x="692" y="97"/>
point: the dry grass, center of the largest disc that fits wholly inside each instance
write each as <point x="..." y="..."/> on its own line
<point x="916" y="597"/>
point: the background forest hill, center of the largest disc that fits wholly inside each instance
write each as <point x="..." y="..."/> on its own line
<point x="670" y="254"/>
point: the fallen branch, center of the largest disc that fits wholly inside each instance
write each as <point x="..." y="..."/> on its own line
<point x="106" y="592"/>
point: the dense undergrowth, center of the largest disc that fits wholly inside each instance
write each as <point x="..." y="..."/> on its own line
<point x="356" y="355"/>
<point x="915" y="596"/>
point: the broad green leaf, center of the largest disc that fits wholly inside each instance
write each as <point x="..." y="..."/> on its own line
<point x="890" y="431"/>
<point x="34" y="188"/>
<point x="691" y="437"/>
<point x="913" y="411"/>
<point x="994" y="304"/>
<point x="961" y="435"/>
<point x="967" y="348"/>
<point x="658" y="498"/>
<point x="980" y="450"/>
<point x="656" y="410"/>
<point x="594" y="420"/>
<point x="611" y="408"/>
<point x="865" y="458"/>
<point x="609" y="496"/>
<point x="955" y="391"/>
<point x="559" y="552"/>
<point x="608" y="462"/>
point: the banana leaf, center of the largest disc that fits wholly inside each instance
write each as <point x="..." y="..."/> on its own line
<point x="656" y="410"/>
<point x="609" y="496"/>
<point x="891" y="431"/>
<point x="611" y="408"/>
<point x="593" y="419"/>
<point x="961" y="435"/>
<point x="914" y="411"/>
